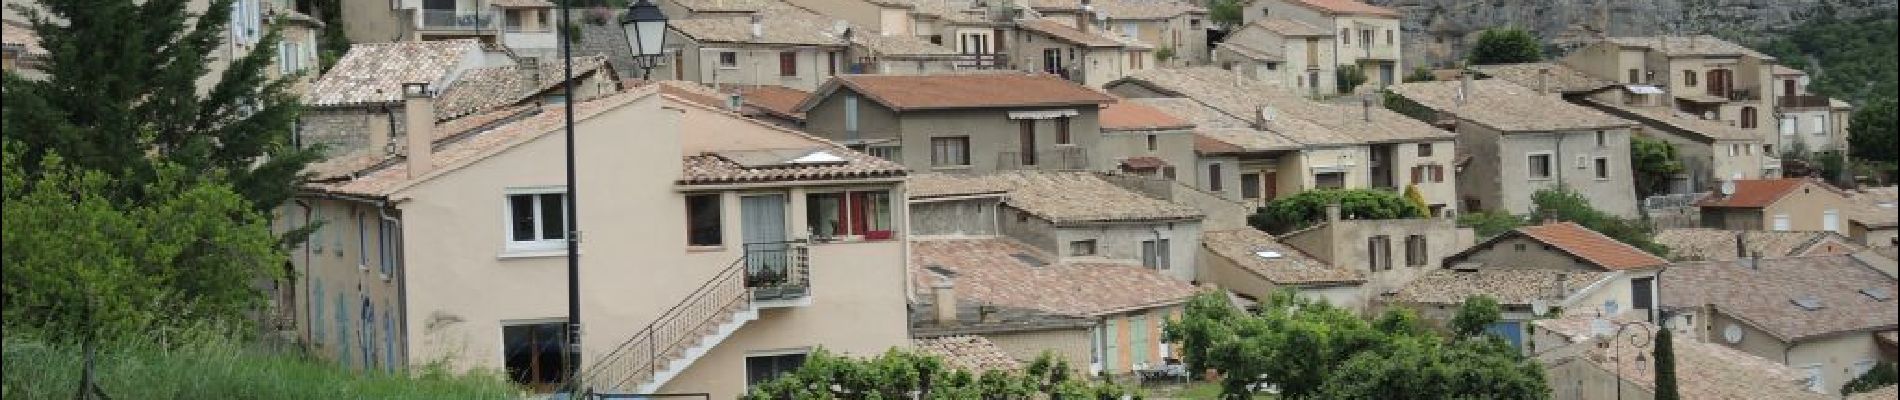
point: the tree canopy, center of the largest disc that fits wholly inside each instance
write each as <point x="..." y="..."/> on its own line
<point x="1315" y="350"/>
<point x="900" y="374"/>
<point x="1506" y="46"/>
<point x="1349" y="77"/>
<point x="1291" y="213"/>
<point x="1565" y="204"/>
<point x="1872" y="134"/>
<point x="1653" y="163"/>
<point x="1225" y="13"/>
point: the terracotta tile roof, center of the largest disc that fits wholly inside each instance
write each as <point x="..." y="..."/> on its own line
<point x="782" y="23"/>
<point x="1510" y="286"/>
<point x="1758" y="193"/>
<point x="1289" y="266"/>
<point x="1060" y="197"/>
<point x="1703" y="244"/>
<point x="1347" y="7"/>
<point x="1591" y="246"/>
<point x="991" y="271"/>
<point x="1194" y="112"/>
<point x="1689" y="46"/>
<point x="1780" y="70"/>
<point x="373" y="73"/>
<point x="1675" y="122"/>
<point x="1290" y="27"/>
<point x="1703" y="370"/>
<point x="1122" y="9"/>
<point x="522" y="3"/>
<point x="706" y="6"/>
<point x="723" y="168"/>
<point x="1295" y="117"/>
<point x="923" y="92"/>
<point x="968" y="353"/>
<point x="1075" y="36"/>
<point x="976" y="318"/>
<point x="1207" y="145"/>
<point x="20" y="34"/>
<point x="483" y="89"/>
<point x="1765" y="295"/>
<point x="1505" y="106"/>
<point x="1888" y="392"/>
<point x="1143" y="163"/>
<point x="1562" y="78"/>
<point x="1876" y="207"/>
<point x="1131" y="116"/>
<point x="778" y="100"/>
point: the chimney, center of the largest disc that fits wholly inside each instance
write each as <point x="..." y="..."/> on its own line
<point x="1332" y="212"/>
<point x="758" y="26"/>
<point x="418" y="111"/>
<point x="529" y="66"/>
<point x="1741" y="249"/>
<point x="943" y="298"/>
<point x="1263" y="117"/>
<point x="378" y="145"/>
<point x="1083" y="18"/>
<point x="1543" y="81"/>
<point x="1464" y="86"/>
<point x="1365" y="107"/>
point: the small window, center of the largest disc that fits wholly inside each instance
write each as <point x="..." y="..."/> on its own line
<point x="1603" y="139"/>
<point x="950" y="151"/>
<point x="1154" y="253"/>
<point x="533" y="353"/>
<point x="1379" y="248"/>
<point x="788" y="63"/>
<point x="759" y="369"/>
<point x="1082" y="248"/>
<point x="864" y="214"/>
<point x="1345" y="35"/>
<point x="1415" y="251"/>
<point x="1213" y="178"/>
<point x="1388" y="37"/>
<point x="1688" y="78"/>
<point x="1634" y="75"/>
<point x="1520" y="247"/>
<point x="885" y="152"/>
<point x="390" y="235"/>
<point x="1062" y="130"/>
<point x="1540" y="166"/>
<point x="729" y="59"/>
<point x="1424" y="149"/>
<point x="537" y="220"/>
<point x="1603" y="168"/>
<point x="1250" y="186"/>
<point x="362" y="239"/>
<point x="702" y="220"/>
<point x="1153" y="143"/>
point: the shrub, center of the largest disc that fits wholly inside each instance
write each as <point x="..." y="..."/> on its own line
<point x="1291" y="213"/>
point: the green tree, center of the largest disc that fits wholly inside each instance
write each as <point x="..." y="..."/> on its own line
<point x="79" y="260"/>
<point x="1564" y="204"/>
<point x="1348" y="77"/>
<point x="1653" y="161"/>
<point x="1420" y="74"/>
<point x="1882" y="375"/>
<point x="1857" y="60"/>
<point x="1506" y="46"/>
<point x="1489" y="223"/>
<point x="1475" y="315"/>
<point x="899" y="374"/>
<point x="1417" y="200"/>
<point x="1871" y="134"/>
<point x="1290" y="213"/>
<point x="1665" y="353"/>
<point x="1415" y="368"/>
<point x="143" y="107"/>
<point x="1225" y="13"/>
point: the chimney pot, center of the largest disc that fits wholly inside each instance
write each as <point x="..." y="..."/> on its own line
<point x="418" y="109"/>
<point x="944" y="300"/>
<point x="1464" y="86"/>
<point x="1365" y="107"/>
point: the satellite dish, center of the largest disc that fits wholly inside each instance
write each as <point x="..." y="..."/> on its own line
<point x="1609" y="307"/>
<point x="1539" y="307"/>
<point x="1733" y="333"/>
<point x="1728" y="187"/>
<point x="1601" y="327"/>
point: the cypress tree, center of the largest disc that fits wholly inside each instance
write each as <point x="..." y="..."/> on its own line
<point x="1666" y="366"/>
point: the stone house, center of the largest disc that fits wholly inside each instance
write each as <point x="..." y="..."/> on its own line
<point x="1789" y="204"/>
<point x="1077" y="50"/>
<point x="1809" y="122"/>
<point x="1389" y="253"/>
<point x="1534" y="270"/>
<point x="1697" y="75"/>
<point x="1282" y="52"/>
<point x="742" y="246"/>
<point x="1368" y="35"/>
<point x="1873" y="220"/>
<point x="1582" y="364"/>
<point x="1253" y="264"/>
<point x="1122" y="306"/>
<point x="1069" y="215"/>
<point x="964" y="123"/>
<point x="1146" y="141"/>
<point x="1180" y="27"/>
<point x="1704" y="244"/>
<point x="1832" y="317"/>
<point x="524" y="26"/>
<point x="1518" y="141"/>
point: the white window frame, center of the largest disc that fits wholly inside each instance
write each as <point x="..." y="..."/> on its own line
<point x="507" y="218"/>
<point x="1550" y="165"/>
<point x="719" y="59"/>
<point x="1831" y="220"/>
<point x="362" y="240"/>
<point x="1780" y="223"/>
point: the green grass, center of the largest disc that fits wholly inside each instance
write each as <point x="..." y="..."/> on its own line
<point x="220" y="370"/>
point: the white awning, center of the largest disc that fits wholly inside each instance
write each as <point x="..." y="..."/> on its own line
<point x="1043" y="114"/>
<point x="1643" y="89"/>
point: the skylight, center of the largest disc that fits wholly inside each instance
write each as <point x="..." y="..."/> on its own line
<point x="1878" y="293"/>
<point x="1267" y="254"/>
<point x="1808" y="302"/>
<point x="818" y="157"/>
<point x="1027" y="260"/>
<point x="940" y="271"/>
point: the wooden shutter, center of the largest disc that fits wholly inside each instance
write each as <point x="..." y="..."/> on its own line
<point x="787" y="63"/>
<point x="1438" y="173"/>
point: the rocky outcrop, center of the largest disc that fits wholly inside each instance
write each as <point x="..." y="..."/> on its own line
<point x="1437" y="32"/>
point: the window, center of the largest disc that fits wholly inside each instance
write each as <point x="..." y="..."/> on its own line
<point x="1734" y="150"/>
<point x="1130" y="30"/>
<point x="1540" y="166"/>
<point x="1635" y="75"/>
<point x="362" y="240"/>
<point x="1082" y="248"/>
<point x="1365" y="38"/>
<point x="1603" y="168"/>
<point x="1388" y="37"/>
<point x="1603" y="139"/>
<point x="1154" y="253"/>
<point x="885" y="152"/>
<point x="391" y="240"/>
<point x="1688" y="78"/>
<point x="1345" y="35"/>
<point x="316" y="311"/>
<point x="1424" y="149"/>
<point x="1520" y="247"/>
<point x="1213" y="178"/>
<point x="759" y="369"/>
<point x="1250" y="186"/>
<point x="534" y="353"/>
<point x="1415" y="251"/>
<point x="950" y="151"/>
<point x="1819" y="126"/>
<point x="1062" y="130"/>
<point x="1748" y="118"/>
<point x="702" y="220"/>
<point x="1816" y="381"/>
<point x="1329" y="180"/>
<point x="1379" y="253"/>
<point x="859" y="213"/>
<point x="788" y="63"/>
<point x="1153" y="143"/>
<point x="1780" y="222"/>
<point x="1831" y="220"/>
<point x="537" y="220"/>
<point x="831" y="63"/>
<point x="728" y="59"/>
<point x="1026" y="142"/>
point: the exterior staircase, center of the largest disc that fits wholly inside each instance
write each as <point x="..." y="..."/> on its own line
<point x="702" y="320"/>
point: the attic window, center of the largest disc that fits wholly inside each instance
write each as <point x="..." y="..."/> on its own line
<point x="1032" y="262"/>
<point x="1878" y="293"/>
<point x="1808" y="302"/>
<point x="940" y="271"/>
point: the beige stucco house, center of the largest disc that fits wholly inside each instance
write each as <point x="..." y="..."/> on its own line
<point x="1809" y="122"/>
<point x="1178" y="26"/>
<point x="1699" y="75"/>
<point x="1789" y="204"/>
<point x="1253" y="265"/>
<point x="1534" y="270"/>
<point x="1282" y="52"/>
<point x="735" y="249"/>
<point x="1367" y="35"/>
<point x="1144" y="140"/>
<point x="1581" y="363"/>
<point x="526" y="27"/>
<point x="1079" y="50"/>
<point x="782" y="44"/>
<point x="1072" y="216"/>
<point x="1389" y="253"/>
<point x="1520" y="141"/>
<point x="1822" y="315"/>
<point x="964" y="123"/>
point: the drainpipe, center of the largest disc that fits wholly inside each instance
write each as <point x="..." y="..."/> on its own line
<point x="308" y="322"/>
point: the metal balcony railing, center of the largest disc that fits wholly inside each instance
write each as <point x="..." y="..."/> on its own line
<point x="456" y="20"/>
<point x="1061" y="158"/>
<point x="1802" y="101"/>
<point x="1744" y="94"/>
<point x="778" y="271"/>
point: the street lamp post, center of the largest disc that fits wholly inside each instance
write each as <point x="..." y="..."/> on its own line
<point x="645" y="27"/>
<point x="1639" y="341"/>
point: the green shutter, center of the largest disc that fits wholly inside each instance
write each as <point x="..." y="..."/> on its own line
<point x="1138" y="339"/>
<point x="1112" y="338"/>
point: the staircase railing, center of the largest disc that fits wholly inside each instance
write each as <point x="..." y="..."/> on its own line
<point x="642" y="356"/>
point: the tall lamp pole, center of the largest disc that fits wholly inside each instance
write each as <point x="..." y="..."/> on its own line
<point x="645" y="28"/>
<point x="1603" y="326"/>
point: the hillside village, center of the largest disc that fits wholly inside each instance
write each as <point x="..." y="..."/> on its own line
<point x="988" y="181"/>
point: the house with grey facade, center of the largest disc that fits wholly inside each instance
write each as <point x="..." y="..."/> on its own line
<point x="1389" y="253"/>
<point x="964" y="123"/>
<point x="1073" y="216"/>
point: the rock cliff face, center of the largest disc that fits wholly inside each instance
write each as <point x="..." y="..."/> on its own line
<point x="1437" y="32"/>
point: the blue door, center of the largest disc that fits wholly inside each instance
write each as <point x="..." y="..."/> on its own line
<point x="1511" y="331"/>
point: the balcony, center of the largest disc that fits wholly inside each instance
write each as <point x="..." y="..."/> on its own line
<point x="1061" y="158"/>
<point x="778" y="271"/>
<point x="456" y="20"/>
<point x="1744" y="94"/>
<point x="1803" y="101"/>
